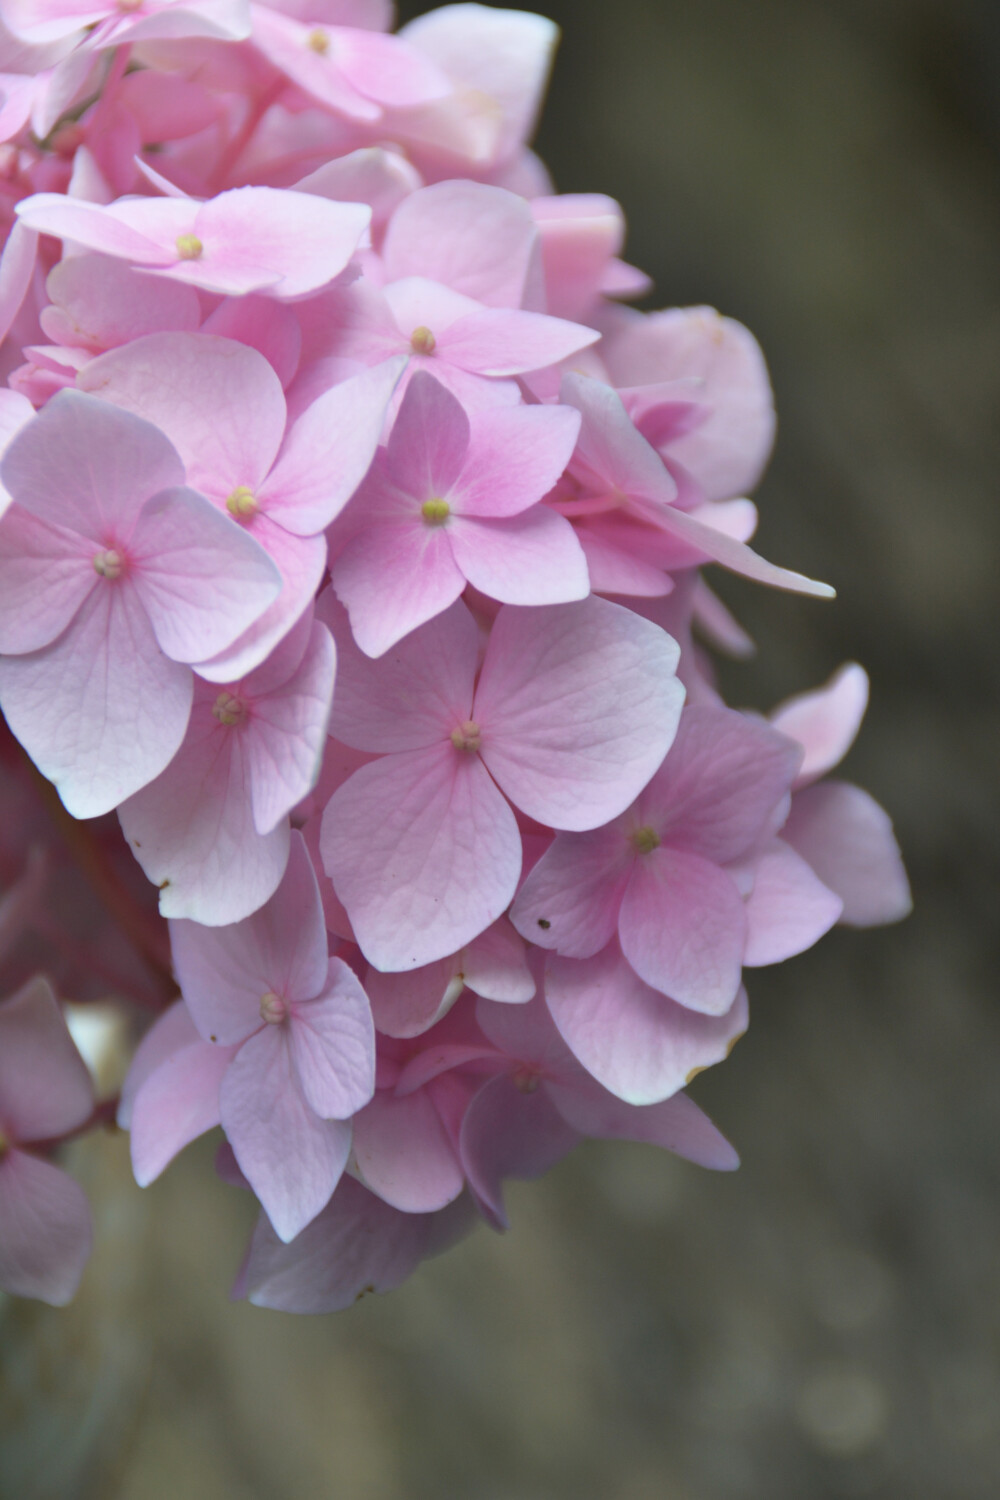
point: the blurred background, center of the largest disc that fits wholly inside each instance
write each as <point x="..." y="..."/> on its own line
<point x="826" y="1323"/>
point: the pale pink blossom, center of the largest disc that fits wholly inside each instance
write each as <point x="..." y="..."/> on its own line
<point x="112" y="577"/>
<point x="452" y="500"/>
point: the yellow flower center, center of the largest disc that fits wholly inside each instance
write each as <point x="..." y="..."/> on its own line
<point x="317" y="41"/>
<point x="435" y="512"/>
<point x="242" y="504"/>
<point x="273" y="1009"/>
<point x="467" y="736"/>
<point x="189" y="246"/>
<point x="229" y="710"/>
<point x="422" y="341"/>
<point x="645" y="840"/>
<point x="109" y="564"/>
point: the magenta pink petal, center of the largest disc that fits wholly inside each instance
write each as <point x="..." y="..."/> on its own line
<point x="509" y="1133"/>
<point x="46" y="573"/>
<point x="385" y="69"/>
<point x="516" y="455"/>
<point x="45" y="1089"/>
<point x="494" y="965"/>
<point x="394" y="578"/>
<point x="332" y="1041"/>
<point x="202" y="580"/>
<point x="683" y="928"/>
<point x="429" y="440"/>
<point x="175" y="1104"/>
<point x="676" y="1124"/>
<point x="478" y="240"/>
<point x="306" y="240"/>
<point x="45" y="1232"/>
<point x="404" y="1154"/>
<point x="92" y="225"/>
<point x="531" y="559"/>
<point x="789" y="907"/>
<point x="825" y="722"/>
<point x="219" y="402"/>
<point x="292" y="1159"/>
<point x="172" y="1030"/>
<point x="328" y="450"/>
<point x="415" y="694"/>
<point x="193" y="830"/>
<point x="286" y="731"/>
<point x="84" y="465"/>
<point x="424" y="853"/>
<point x="570" y="900"/>
<point x="358" y="1244"/>
<point x="99" y="303"/>
<point x="408" y="1004"/>
<point x="101" y="711"/>
<point x="641" y="1046"/>
<point x="848" y="840"/>
<point x="578" y="704"/>
<point x="506" y="341"/>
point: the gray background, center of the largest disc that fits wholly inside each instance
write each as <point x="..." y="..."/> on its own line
<point x="824" y="1324"/>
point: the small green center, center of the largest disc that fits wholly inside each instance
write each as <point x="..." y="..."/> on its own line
<point x="645" y="840"/>
<point x="189" y="246"/>
<point x="435" y="512"/>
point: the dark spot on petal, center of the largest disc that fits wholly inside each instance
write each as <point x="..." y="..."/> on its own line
<point x="213" y="1039"/>
<point x="544" y="923"/>
<point x="163" y="885"/>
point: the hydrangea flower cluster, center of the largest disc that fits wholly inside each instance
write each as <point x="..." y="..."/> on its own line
<point x="351" y="547"/>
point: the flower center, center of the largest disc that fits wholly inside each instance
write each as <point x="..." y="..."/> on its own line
<point x="273" y="1009"/>
<point x="467" y="736"/>
<point x="109" y="564"/>
<point x="189" y="246"/>
<point x="526" y="1080"/>
<point x="645" y="840"/>
<point x="229" y="710"/>
<point x="317" y="41"/>
<point x="422" y="341"/>
<point x="435" y="512"/>
<point x="242" y="504"/>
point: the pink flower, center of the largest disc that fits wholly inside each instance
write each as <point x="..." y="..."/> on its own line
<point x="250" y="239"/>
<point x="304" y="1058"/>
<point x="45" y="1093"/>
<point x="574" y="708"/>
<point x="111" y="579"/>
<point x="453" y="501"/>
<point x="656" y="876"/>
<point x="212" y="831"/>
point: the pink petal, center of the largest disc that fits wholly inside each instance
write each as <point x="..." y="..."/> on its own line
<point x="358" y="1244"/>
<point x="429" y="440"/>
<point x="532" y="559"/>
<point x="848" y="840"/>
<point x="101" y="304"/>
<point x="101" y="711"/>
<point x="610" y="452"/>
<point x="292" y="1159"/>
<point x="45" y="1233"/>
<point x="515" y="457"/>
<point x="84" y="465"/>
<point x="677" y="1124"/>
<point x="788" y="909"/>
<point x="17" y="266"/>
<point x="300" y="561"/>
<point x="306" y="241"/>
<point x="385" y="69"/>
<point x="404" y="1154"/>
<point x="394" y="578"/>
<point x="219" y="402"/>
<point x="570" y="900"/>
<point x="171" y="1031"/>
<point x="270" y="327"/>
<point x="641" y="1046"/>
<point x="825" y="722"/>
<point x="478" y="240"/>
<point x="415" y="694"/>
<point x="193" y="832"/>
<point x="202" y="580"/>
<point x="175" y="1104"/>
<point x="46" y="573"/>
<point x="578" y="704"/>
<point x="328" y="450"/>
<point x="504" y="341"/>
<point x="683" y="928"/>
<point x="45" y="1089"/>
<point x="224" y="972"/>
<point x="723" y="786"/>
<point x="507" y="1133"/>
<point x="406" y="1005"/>
<point x="333" y="1045"/>
<point x="93" y="226"/>
<point x="287" y="733"/>
<point x="495" y="965"/>
<point x="424" y="853"/>
<point x="15" y="411"/>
